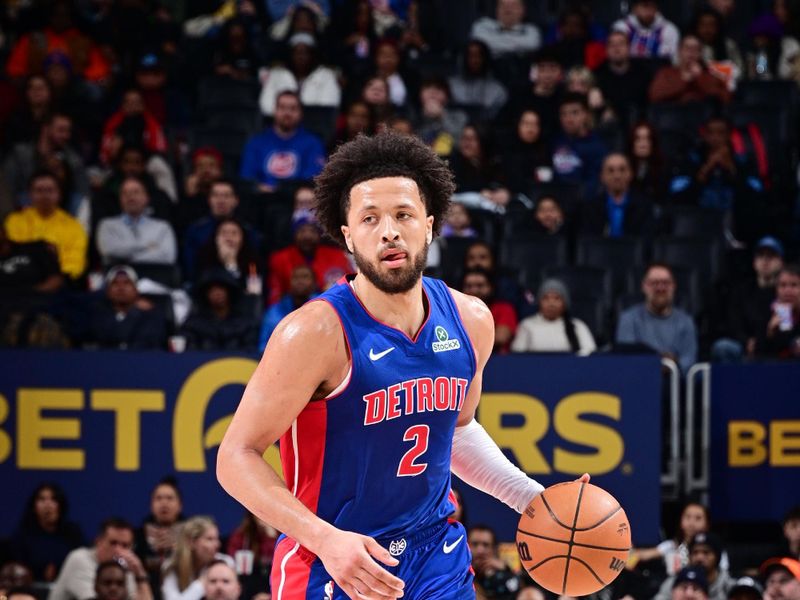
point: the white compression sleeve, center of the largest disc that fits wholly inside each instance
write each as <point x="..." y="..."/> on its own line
<point x="478" y="461"/>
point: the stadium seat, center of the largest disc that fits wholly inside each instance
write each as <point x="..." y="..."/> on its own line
<point x="689" y="221"/>
<point x="321" y="121"/>
<point x="701" y="254"/>
<point x="168" y="275"/>
<point x="530" y="256"/>
<point x="215" y="93"/>
<point x="593" y="312"/>
<point x="618" y="255"/>
<point x="451" y="265"/>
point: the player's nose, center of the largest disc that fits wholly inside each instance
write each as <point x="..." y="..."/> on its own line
<point x="390" y="232"/>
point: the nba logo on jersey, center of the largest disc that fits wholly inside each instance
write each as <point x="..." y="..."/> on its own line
<point x="329" y="590"/>
<point x="444" y="343"/>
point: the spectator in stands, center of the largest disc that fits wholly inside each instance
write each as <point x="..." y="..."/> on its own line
<point x="207" y="164"/>
<point x="52" y="143"/>
<point x="720" y="52"/>
<point x="358" y="38"/>
<point x="689" y="80"/>
<point x="123" y="320"/>
<point x="222" y="203"/>
<point x="235" y="57"/>
<point x="623" y="81"/>
<point x="479" y="255"/>
<point x="457" y="222"/>
<point x="28" y="269"/>
<point x="705" y="550"/>
<point x="580" y="80"/>
<point x="507" y="34"/>
<point x="219" y="322"/>
<point x="529" y="158"/>
<point x="315" y="84"/>
<point x="746" y="588"/>
<point x="133" y="236"/>
<point x="781" y="579"/>
<point x="76" y="580"/>
<point x="357" y="118"/>
<point x="617" y="212"/>
<point x="134" y="125"/>
<point x="258" y="537"/>
<point x="480" y="181"/>
<point x="474" y="83"/>
<point x="647" y="162"/>
<point x="329" y="263"/>
<point x="543" y="97"/>
<point x="130" y="161"/>
<point x="220" y="582"/>
<point x="285" y="152"/>
<point x="387" y="65"/>
<point x="657" y="322"/>
<point x="478" y="283"/>
<point x="155" y="540"/>
<point x="748" y="307"/>
<point x="109" y="582"/>
<point x="44" y="221"/>
<point x="45" y="536"/>
<point x="493" y="577"/>
<point x="714" y="175"/>
<point x="773" y="54"/>
<point x="26" y="593"/>
<point x="574" y="40"/>
<point x="375" y="92"/>
<point x="781" y="337"/>
<point x="791" y="533"/>
<point x="553" y="329"/>
<point x="690" y="584"/>
<point x="197" y="547"/>
<point x="229" y="249"/>
<point x="578" y="152"/>
<point x="302" y="287"/>
<point x="437" y="123"/>
<point x="60" y="34"/>
<point x="650" y="34"/>
<point x="549" y="217"/>
<point x="25" y="123"/>
<point x="14" y="575"/>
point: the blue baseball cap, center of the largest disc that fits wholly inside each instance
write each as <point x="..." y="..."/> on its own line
<point x="770" y="243"/>
<point x="693" y="574"/>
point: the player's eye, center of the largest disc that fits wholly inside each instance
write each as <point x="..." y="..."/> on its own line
<point x="403" y="215"/>
<point x="369" y="219"/>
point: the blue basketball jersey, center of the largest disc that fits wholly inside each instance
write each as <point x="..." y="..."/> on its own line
<point x="374" y="456"/>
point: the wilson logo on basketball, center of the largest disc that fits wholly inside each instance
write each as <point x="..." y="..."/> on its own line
<point x="530" y="512"/>
<point x="622" y="529"/>
<point x="282" y="164"/>
<point x="616" y="564"/>
<point x="524" y="551"/>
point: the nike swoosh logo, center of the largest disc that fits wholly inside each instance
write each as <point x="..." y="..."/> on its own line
<point x="448" y="548"/>
<point x="379" y="355"/>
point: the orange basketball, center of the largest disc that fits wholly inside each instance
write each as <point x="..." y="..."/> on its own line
<point x="574" y="538"/>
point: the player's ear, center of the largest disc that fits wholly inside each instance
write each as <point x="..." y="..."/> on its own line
<point x="347" y="239"/>
<point x="429" y="228"/>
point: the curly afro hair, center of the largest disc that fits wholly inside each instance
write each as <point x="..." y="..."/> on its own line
<point x="384" y="155"/>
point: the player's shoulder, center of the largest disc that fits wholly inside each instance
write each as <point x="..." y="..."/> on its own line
<point x="474" y="312"/>
<point x="314" y="323"/>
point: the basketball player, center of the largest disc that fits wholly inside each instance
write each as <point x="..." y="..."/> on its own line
<point x="372" y="389"/>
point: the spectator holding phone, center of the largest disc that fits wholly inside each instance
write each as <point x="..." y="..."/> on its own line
<point x="782" y="336"/>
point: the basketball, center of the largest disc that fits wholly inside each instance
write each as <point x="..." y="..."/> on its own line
<point x="574" y="538"/>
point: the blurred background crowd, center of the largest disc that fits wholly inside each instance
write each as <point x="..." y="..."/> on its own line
<point x="627" y="180"/>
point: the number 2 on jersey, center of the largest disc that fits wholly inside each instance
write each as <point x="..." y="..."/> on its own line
<point x="419" y="435"/>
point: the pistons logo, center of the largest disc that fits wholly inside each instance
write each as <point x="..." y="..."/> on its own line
<point x="282" y="164"/>
<point x="397" y="547"/>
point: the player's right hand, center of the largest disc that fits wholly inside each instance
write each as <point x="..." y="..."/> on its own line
<point x="350" y="559"/>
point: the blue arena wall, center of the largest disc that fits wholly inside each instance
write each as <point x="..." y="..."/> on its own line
<point x="108" y="425"/>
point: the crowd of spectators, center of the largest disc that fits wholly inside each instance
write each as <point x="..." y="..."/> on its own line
<point x="170" y="555"/>
<point x="623" y="171"/>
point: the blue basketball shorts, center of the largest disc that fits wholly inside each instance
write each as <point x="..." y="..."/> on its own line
<point x="435" y="564"/>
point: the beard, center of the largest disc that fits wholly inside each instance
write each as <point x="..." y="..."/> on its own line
<point x="395" y="281"/>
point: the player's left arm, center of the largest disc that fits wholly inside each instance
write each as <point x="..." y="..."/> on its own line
<point x="476" y="459"/>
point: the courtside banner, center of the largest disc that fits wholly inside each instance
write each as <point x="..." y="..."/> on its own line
<point x="108" y="425"/>
<point x="755" y="441"/>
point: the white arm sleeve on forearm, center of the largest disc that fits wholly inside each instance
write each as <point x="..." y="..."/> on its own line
<point x="478" y="461"/>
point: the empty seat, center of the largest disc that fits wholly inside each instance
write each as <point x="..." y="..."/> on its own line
<point x="168" y="275"/>
<point x="583" y="282"/>
<point x="689" y="221"/>
<point x="619" y="255"/>
<point x="321" y="121"/>
<point x="593" y="312"/>
<point x="215" y="93"/>
<point x="532" y="255"/>
<point x="700" y="254"/>
<point x="680" y="117"/>
<point x="767" y="93"/>
<point x="451" y="265"/>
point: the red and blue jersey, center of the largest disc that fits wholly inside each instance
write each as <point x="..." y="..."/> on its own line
<point x="374" y="456"/>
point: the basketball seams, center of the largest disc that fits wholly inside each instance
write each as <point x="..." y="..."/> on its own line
<point x="572" y="537"/>
<point x="552" y="514"/>
<point x="589" y="568"/>
<point x="578" y="544"/>
<point x="601" y="521"/>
